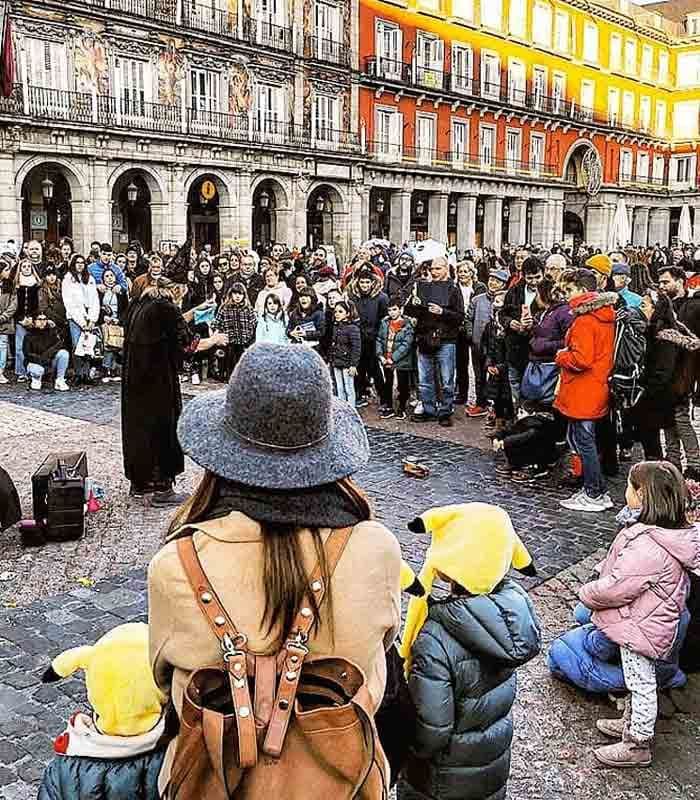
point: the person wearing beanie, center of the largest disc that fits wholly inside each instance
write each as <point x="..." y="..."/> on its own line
<point x="462" y="651"/>
<point x="601" y="265"/>
<point x="621" y="278"/>
<point x="117" y="750"/>
<point x="400" y="278"/>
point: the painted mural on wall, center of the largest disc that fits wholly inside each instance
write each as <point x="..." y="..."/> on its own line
<point x="91" y="68"/>
<point x="171" y="71"/>
<point x="240" y="96"/>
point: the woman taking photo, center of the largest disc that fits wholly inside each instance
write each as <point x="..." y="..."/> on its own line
<point x="278" y="450"/>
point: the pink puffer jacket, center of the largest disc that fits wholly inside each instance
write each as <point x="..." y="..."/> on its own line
<point x="643" y="586"/>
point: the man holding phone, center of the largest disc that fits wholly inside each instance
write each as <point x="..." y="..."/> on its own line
<point x="517" y="317"/>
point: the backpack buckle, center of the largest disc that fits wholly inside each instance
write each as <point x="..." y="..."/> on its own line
<point x="233" y="646"/>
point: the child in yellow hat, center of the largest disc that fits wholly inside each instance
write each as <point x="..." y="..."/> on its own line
<point x="117" y="751"/>
<point x="462" y="652"/>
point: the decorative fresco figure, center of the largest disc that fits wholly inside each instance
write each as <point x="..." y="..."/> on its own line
<point x="240" y="98"/>
<point x="91" y="70"/>
<point x="171" y="71"/>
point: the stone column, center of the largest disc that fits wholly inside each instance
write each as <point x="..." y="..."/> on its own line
<point x="10" y="216"/>
<point x="245" y="207"/>
<point x="296" y="234"/>
<point x="437" y="216"/>
<point x="493" y="222"/>
<point x="696" y="225"/>
<point x="101" y="217"/>
<point x="659" y="225"/>
<point x="640" y="226"/>
<point x="540" y="232"/>
<point x="178" y="205"/>
<point x="596" y="230"/>
<point x="558" y="221"/>
<point x="517" y="222"/>
<point x="159" y="223"/>
<point x="400" y="217"/>
<point x="466" y="222"/>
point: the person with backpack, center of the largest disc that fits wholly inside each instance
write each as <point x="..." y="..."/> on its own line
<point x="585" y="365"/>
<point x="243" y="581"/>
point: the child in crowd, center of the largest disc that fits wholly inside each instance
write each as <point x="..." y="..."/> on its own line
<point x="493" y="345"/>
<point x="462" y="651"/>
<point x="237" y="320"/>
<point x="116" y="750"/>
<point x="272" y="323"/>
<point x="395" y="354"/>
<point x="8" y="307"/>
<point x="27" y="291"/>
<point x="306" y="319"/>
<point x="639" y="598"/>
<point x="333" y="296"/>
<point x="44" y="350"/>
<point x="345" y="350"/>
<point x="113" y="305"/>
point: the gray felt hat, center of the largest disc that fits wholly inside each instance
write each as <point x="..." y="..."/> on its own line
<point x="277" y="424"/>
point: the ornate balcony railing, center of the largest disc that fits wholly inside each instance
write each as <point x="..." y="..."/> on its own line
<point x="112" y="112"/>
<point x="507" y="95"/>
<point x="329" y="50"/>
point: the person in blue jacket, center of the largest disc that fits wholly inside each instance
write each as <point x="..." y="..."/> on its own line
<point x="105" y="261"/>
<point x="621" y="278"/>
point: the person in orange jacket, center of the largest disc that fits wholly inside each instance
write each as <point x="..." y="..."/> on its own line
<point x="585" y="364"/>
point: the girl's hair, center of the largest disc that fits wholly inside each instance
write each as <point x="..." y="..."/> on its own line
<point x="161" y="289"/>
<point x="664" y="494"/>
<point x="7" y="285"/>
<point x="109" y="269"/>
<point x="23" y="263"/>
<point x="545" y="289"/>
<point x="85" y="276"/>
<point x="310" y="293"/>
<point x="284" y="577"/>
<point x="276" y="300"/>
<point x="349" y="307"/>
<point x="237" y="288"/>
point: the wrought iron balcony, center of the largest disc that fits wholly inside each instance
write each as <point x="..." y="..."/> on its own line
<point x="509" y="97"/>
<point x="101" y="111"/>
<point x="328" y="50"/>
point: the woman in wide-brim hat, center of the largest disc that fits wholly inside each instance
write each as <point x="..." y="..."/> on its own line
<point x="278" y="450"/>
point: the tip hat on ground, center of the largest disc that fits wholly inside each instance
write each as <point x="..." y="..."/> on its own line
<point x="472" y="544"/>
<point x="277" y="424"/>
<point x="600" y="263"/>
<point x="499" y="275"/>
<point x="621" y="269"/>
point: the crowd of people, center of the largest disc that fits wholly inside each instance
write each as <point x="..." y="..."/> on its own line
<point x="596" y="349"/>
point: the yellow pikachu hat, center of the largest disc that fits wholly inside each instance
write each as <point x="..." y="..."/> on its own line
<point x="409" y="583"/>
<point x="118" y="678"/>
<point x="473" y="544"/>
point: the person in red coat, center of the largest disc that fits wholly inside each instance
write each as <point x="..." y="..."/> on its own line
<point x="585" y="364"/>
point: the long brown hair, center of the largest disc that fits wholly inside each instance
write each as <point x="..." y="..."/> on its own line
<point x="285" y="580"/>
<point x="665" y="498"/>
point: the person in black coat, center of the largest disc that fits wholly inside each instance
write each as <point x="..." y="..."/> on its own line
<point x="519" y="309"/>
<point x="156" y="339"/>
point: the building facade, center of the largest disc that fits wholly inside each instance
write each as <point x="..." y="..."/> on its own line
<point x="527" y="120"/>
<point x="330" y="121"/>
<point x="233" y="120"/>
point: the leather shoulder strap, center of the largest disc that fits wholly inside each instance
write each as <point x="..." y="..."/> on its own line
<point x="295" y="651"/>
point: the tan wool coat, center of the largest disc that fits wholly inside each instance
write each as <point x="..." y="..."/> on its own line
<point x="365" y="593"/>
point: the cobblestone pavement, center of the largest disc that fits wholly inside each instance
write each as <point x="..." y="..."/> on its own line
<point x="46" y="610"/>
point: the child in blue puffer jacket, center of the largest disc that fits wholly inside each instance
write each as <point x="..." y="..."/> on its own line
<point x="117" y="751"/>
<point x="462" y="652"/>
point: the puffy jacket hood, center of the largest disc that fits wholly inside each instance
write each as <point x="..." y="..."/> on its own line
<point x="500" y="626"/>
<point x="353" y="288"/>
<point x="599" y="304"/>
<point x="688" y="341"/>
<point x="680" y="543"/>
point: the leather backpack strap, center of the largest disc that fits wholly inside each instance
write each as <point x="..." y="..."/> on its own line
<point x="295" y="650"/>
<point x="233" y="646"/>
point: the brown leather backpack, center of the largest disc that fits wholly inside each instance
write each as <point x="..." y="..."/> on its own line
<point x="273" y="727"/>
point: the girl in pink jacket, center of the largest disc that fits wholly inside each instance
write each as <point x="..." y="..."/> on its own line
<point x="638" y="600"/>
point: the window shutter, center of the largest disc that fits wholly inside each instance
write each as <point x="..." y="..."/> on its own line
<point x="439" y="63"/>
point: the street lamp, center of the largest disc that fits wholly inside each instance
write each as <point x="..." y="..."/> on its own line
<point x="264" y="199"/>
<point x="132" y="193"/>
<point x="320" y="204"/>
<point x="380" y="205"/>
<point x="47" y="189"/>
<point x="479" y="211"/>
<point x="506" y="212"/>
<point x="420" y="208"/>
<point x="452" y="210"/>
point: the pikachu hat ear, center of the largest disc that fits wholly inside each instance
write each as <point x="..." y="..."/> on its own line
<point x="67" y="663"/>
<point x="409" y="583"/>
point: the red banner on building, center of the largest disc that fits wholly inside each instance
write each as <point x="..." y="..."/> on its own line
<point x="7" y="53"/>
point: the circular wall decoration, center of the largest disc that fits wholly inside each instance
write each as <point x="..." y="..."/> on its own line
<point x="208" y="190"/>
